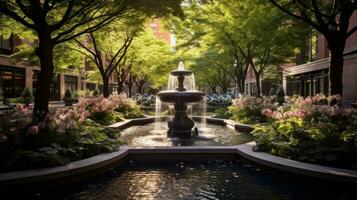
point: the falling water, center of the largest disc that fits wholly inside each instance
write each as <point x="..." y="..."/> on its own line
<point x="189" y="82"/>
<point x="172" y="83"/>
<point x="171" y="110"/>
<point x="189" y="110"/>
<point x="158" y="108"/>
<point x="204" y="112"/>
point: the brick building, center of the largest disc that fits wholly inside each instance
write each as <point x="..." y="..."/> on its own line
<point x="310" y="78"/>
<point x="16" y="76"/>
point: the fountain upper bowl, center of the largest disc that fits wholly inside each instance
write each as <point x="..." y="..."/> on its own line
<point x="181" y="72"/>
<point x="190" y="96"/>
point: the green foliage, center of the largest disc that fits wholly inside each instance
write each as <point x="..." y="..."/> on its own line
<point x="223" y="113"/>
<point x="26" y="97"/>
<point x="299" y="140"/>
<point x="95" y="93"/>
<point x="54" y="149"/>
<point x="107" y="118"/>
<point x="130" y="111"/>
<point x="218" y="39"/>
<point x="248" y="109"/>
<point x="308" y="130"/>
<point x="153" y="57"/>
<point x="247" y="115"/>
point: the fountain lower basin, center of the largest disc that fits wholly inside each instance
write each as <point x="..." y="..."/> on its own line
<point x="209" y="135"/>
<point x="185" y="96"/>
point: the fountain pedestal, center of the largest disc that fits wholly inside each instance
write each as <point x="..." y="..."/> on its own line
<point x="180" y="125"/>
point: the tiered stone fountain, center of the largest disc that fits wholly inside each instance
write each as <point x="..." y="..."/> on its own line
<point x="181" y="125"/>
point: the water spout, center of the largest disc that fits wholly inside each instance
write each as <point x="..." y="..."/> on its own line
<point x="181" y="66"/>
<point x="204" y="112"/>
<point x="158" y="108"/>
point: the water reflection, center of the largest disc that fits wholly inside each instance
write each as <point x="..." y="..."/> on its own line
<point x="209" y="135"/>
<point x="207" y="180"/>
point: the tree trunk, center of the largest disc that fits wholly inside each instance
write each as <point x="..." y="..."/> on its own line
<point x="120" y="88"/>
<point x="130" y="90"/>
<point x="336" y="70"/>
<point x="224" y="89"/>
<point x="243" y="86"/>
<point x="240" y="85"/>
<point x="257" y="79"/>
<point x="106" y="92"/>
<point x="42" y="96"/>
<point x="213" y="89"/>
<point x="140" y="88"/>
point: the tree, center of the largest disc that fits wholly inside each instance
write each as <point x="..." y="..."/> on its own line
<point x="122" y="72"/>
<point x="332" y="20"/>
<point x="274" y="45"/>
<point x="130" y="81"/>
<point x="107" y="48"/>
<point x="57" y="21"/>
<point x="243" y="34"/>
<point x="151" y="58"/>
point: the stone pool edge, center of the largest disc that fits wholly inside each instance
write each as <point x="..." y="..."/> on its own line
<point x="94" y="163"/>
<point x="107" y="160"/>
<point x="296" y="167"/>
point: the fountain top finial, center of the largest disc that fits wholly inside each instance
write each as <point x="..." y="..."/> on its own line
<point x="181" y="71"/>
<point x="181" y="66"/>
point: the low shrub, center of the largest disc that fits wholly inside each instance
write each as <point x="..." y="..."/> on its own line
<point x="223" y="113"/>
<point x="247" y="109"/>
<point x="130" y="110"/>
<point x="145" y="100"/>
<point x="220" y="100"/>
<point x="309" y="130"/>
<point x="88" y="139"/>
<point x="65" y="135"/>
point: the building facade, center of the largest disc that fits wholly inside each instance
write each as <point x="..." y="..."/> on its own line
<point x="16" y="76"/>
<point x="311" y="78"/>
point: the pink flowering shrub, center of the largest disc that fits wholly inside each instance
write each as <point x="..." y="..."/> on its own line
<point x="309" y="130"/>
<point x="248" y="109"/>
<point x="65" y="134"/>
<point x="103" y="110"/>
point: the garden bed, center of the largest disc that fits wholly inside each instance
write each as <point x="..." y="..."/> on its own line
<point x="66" y="135"/>
<point x="303" y="129"/>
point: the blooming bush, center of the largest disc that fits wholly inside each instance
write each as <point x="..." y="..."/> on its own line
<point x="309" y="130"/>
<point x="248" y="109"/>
<point x="220" y="100"/>
<point x="65" y="134"/>
<point x="146" y="100"/>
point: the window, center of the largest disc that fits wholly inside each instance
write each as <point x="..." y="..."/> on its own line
<point x="71" y="82"/>
<point x="293" y="86"/>
<point x="6" y="45"/>
<point x="12" y="80"/>
<point x="308" y="84"/>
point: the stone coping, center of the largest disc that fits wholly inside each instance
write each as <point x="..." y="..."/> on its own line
<point x="217" y="121"/>
<point x="95" y="163"/>
<point x="107" y="160"/>
<point x="99" y="162"/>
<point x="297" y="167"/>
